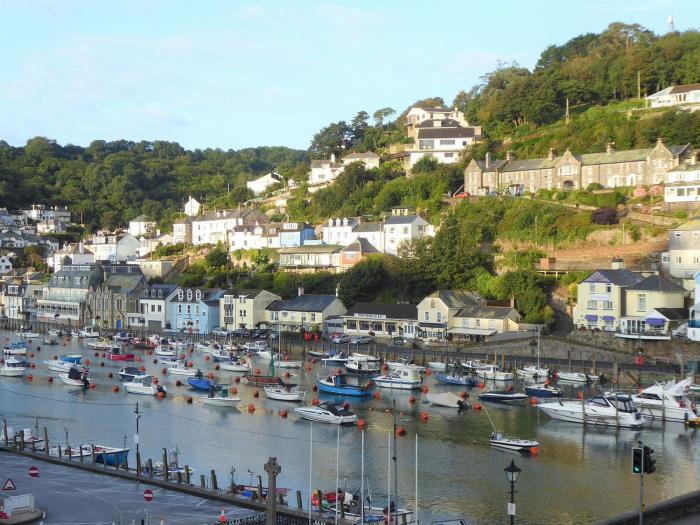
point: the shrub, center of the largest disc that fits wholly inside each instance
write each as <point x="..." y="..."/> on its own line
<point x="604" y="216"/>
<point x="681" y="214"/>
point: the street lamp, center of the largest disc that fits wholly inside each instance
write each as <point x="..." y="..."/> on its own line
<point x="512" y="473"/>
<point x="97" y="322"/>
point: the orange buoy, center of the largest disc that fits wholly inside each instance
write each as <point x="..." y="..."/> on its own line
<point x="314" y="388"/>
<point x="91" y="385"/>
<point x="138" y="359"/>
<point x="481" y="385"/>
<point x="400" y="431"/>
<point x="510" y="388"/>
<point x="189" y="400"/>
<point x="580" y="394"/>
<point x="189" y="364"/>
<point x="428" y="372"/>
<point x="425" y="389"/>
<point x="257" y="371"/>
<point x="110" y="375"/>
<point x="234" y="390"/>
<point x="463" y="394"/>
<point x="206" y="358"/>
<point x="534" y="451"/>
<point x="210" y="375"/>
<point x="361" y="423"/>
<point x="178" y="383"/>
<point x="160" y="394"/>
<point x="476" y="406"/>
<point x="237" y="380"/>
<point x="411" y="399"/>
<point x="142" y="368"/>
<point x="533" y="401"/>
<point x="50" y="379"/>
<point x="30" y="377"/>
<point x="256" y="394"/>
<point x="283" y="413"/>
<point x="377" y="395"/>
<point x="251" y="408"/>
<point x="315" y="401"/>
<point x="313" y="360"/>
<point x="217" y="367"/>
<point x="31" y="355"/>
<point x="115" y="388"/>
<point x="424" y="416"/>
<point x="308" y="368"/>
<point x="154" y="380"/>
<point x="87" y="362"/>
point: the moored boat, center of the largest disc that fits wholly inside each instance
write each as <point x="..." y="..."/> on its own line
<point x="118" y="354"/>
<point x="327" y="412"/>
<point x="233" y="364"/>
<point x="361" y="366"/>
<point x="437" y="366"/>
<point x="666" y="401"/>
<point x="71" y="358"/>
<point x="503" y="396"/>
<point x="220" y="397"/>
<point x="338" y="384"/>
<point x="610" y="409"/>
<point x="49" y="341"/>
<point x="144" y="385"/>
<point x="12" y="367"/>
<point x="543" y="390"/>
<point x="522" y="446"/>
<point x="55" y="365"/>
<point x="15" y="348"/>
<point x="575" y="377"/>
<point x="180" y="368"/>
<point x="447" y="399"/>
<point x="128" y="373"/>
<point x="401" y="378"/>
<point x="76" y="377"/>
<point x="452" y="378"/>
<point x="285" y="392"/>
<point x="494" y="373"/>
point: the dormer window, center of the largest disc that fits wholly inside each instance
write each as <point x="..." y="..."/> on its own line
<point x="180" y="295"/>
<point x="160" y="294"/>
<point x="198" y="295"/>
<point x="189" y="295"/>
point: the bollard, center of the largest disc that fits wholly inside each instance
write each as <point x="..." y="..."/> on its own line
<point x="46" y="441"/>
<point x="202" y="481"/>
<point x="299" y="505"/>
<point x="273" y="469"/>
<point x="260" y="489"/>
<point x="4" y="428"/>
<point x="150" y="468"/>
<point x="69" y="452"/>
<point x="138" y="464"/>
<point x="165" y="465"/>
<point x="178" y="477"/>
<point x="187" y="474"/>
<point x="214" y="485"/>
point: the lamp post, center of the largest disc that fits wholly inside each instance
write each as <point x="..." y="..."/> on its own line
<point x="97" y="322"/>
<point x="512" y="473"/>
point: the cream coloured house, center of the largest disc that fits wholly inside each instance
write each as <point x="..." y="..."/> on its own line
<point x="682" y="260"/>
<point x="306" y="311"/>
<point x="244" y="308"/>
<point x="436" y="311"/>
<point x="478" y="322"/>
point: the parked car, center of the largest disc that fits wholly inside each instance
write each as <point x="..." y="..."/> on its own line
<point x="260" y="333"/>
<point x="241" y="332"/>
<point x="220" y="331"/>
<point x="361" y="340"/>
<point x="4" y="319"/>
<point x="340" y="338"/>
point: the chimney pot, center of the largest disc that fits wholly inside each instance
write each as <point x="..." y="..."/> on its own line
<point x="551" y="154"/>
<point x="300" y="290"/>
<point x="487" y="159"/>
<point x="610" y="148"/>
<point x="509" y="155"/>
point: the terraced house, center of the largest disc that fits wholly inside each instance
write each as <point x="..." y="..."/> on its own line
<point x="610" y="169"/>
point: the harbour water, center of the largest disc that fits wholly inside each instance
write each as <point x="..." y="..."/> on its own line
<point x="580" y="474"/>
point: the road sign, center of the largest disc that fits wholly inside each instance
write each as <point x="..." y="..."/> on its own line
<point x="9" y="485"/>
<point x="33" y="472"/>
<point x="148" y="495"/>
<point x="511" y="509"/>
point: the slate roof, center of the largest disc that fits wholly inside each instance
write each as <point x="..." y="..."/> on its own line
<point x="686" y="88"/>
<point x="248" y="292"/>
<point x="674" y="314"/>
<point x="494" y="165"/>
<point x="528" y="164"/>
<point x="619" y="277"/>
<point x="445" y="133"/>
<point x="186" y="220"/>
<point x="141" y="218"/>
<point x="485" y="312"/>
<point x="658" y="283"/>
<point x="321" y="163"/>
<point x="249" y="214"/>
<point x="124" y="283"/>
<point x="458" y="298"/>
<point x="392" y="311"/>
<point x="303" y="303"/>
<point x="402" y="219"/>
<point x="365" y="227"/>
<point x="359" y="156"/>
<point x="361" y="245"/>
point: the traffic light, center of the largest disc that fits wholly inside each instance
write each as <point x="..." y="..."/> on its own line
<point x="637" y="458"/>
<point x="649" y="461"/>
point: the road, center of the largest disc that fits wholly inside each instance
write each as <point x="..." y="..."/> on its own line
<point x="69" y="495"/>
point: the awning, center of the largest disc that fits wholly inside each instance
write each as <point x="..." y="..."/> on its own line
<point x="472" y="331"/>
<point x="653" y="321"/>
<point x="432" y="325"/>
<point x="590" y="317"/>
<point x="608" y="318"/>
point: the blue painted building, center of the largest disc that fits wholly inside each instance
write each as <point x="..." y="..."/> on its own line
<point x="196" y="309"/>
<point x="294" y="234"/>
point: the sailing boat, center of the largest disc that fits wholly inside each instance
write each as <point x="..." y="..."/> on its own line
<point x="269" y="379"/>
<point x="534" y="372"/>
<point x="575" y="377"/>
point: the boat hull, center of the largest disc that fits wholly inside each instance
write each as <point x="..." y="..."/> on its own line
<point x="397" y="384"/>
<point x="437" y="366"/>
<point x="221" y="401"/>
<point x="349" y="390"/>
<point x="322" y="418"/>
<point x="572" y="414"/>
<point x="282" y="394"/>
<point x="455" y="380"/>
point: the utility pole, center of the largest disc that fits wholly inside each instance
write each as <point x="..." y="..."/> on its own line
<point x="639" y="84"/>
<point x="136" y="436"/>
<point x="567" y="116"/>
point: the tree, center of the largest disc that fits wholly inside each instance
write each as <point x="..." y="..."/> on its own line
<point x="359" y="125"/>
<point x="363" y="281"/>
<point x="217" y="258"/>
<point x="381" y="115"/>
<point x="330" y="140"/>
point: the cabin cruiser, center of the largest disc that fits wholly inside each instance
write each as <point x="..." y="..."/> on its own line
<point x="55" y="365"/>
<point x="360" y="364"/>
<point x="495" y="373"/>
<point x="532" y="372"/>
<point x="543" y="390"/>
<point x="12" y="367"/>
<point x="523" y="446"/>
<point x="128" y="373"/>
<point x="76" y="377"/>
<point x="437" y="366"/>
<point x="404" y="378"/>
<point x="15" y="348"/>
<point x="233" y="364"/>
<point x="180" y="368"/>
<point x="666" y="401"/>
<point x="609" y="409"/>
<point x="144" y="385"/>
<point x="404" y="364"/>
<point x="88" y="333"/>
<point x="327" y="412"/>
<point x="220" y="397"/>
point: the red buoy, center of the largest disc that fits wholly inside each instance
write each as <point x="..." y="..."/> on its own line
<point x="424" y="416"/>
<point x="411" y="399"/>
<point x="315" y="401"/>
<point x="283" y="413"/>
<point x="400" y="431"/>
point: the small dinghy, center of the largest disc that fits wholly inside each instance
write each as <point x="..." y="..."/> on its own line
<point x="49" y="341"/>
<point x="575" y="377"/>
<point x="543" y="390"/>
<point x="285" y="392"/>
<point x="338" y="384"/>
<point x="285" y="362"/>
<point x="523" y="446"/>
<point x="71" y="358"/>
<point x="199" y="382"/>
<point x="447" y="399"/>
<point x="503" y="396"/>
<point x="219" y="397"/>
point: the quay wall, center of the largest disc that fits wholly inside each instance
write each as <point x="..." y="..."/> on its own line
<point x="664" y="512"/>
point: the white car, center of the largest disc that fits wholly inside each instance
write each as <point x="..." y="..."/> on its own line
<point x="220" y="331"/>
<point x="361" y="340"/>
<point x="340" y="339"/>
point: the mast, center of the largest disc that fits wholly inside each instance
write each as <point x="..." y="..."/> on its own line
<point x="415" y="510"/>
<point x="362" y="481"/>
<point x="396" y="476"/>
<point x="337" y="473"/>
<point x="311" y="461"/>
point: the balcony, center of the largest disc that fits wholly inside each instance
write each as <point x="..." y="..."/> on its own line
<point x="649" y="335"/>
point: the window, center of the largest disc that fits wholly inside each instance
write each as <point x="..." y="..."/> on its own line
<point x="352" y="325"/>
<point x="160" y="308"/>
<point x="153" y="308"/>
<point x="607" y="305"/>
<point x="189" y="309"/>
<point x="198" y="295"/>
<point x="608" y="288"/>
<point x="426" y="316"/>
<point x="242" y="313"/>
<point x="312" y="317"/>
<point x="592" y="305"/>
<point x="447" y="142"/>
<point x="492" y="324"/>
<point x="591" y="288"/>
<point x="641" y="302"/>
<point x="364" y="325"/>
<point x="196" y="310"/>
<point x="449" y="155"/>
<point x="405" y="230"/>
<point x="189" y="295"/>
<point x="180" y="295"/>
<point x="439" y="317"/>
<point x="666" y="258"/>
<point x="179" y="308"/>
<point x="477" y="322"/>
<point x="679" y="259"/>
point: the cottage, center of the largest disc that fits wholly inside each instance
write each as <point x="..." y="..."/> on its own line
<point x="476" y="323"/>
<point x="436" y="311"/>
<point x="154" y="306"/>
<point x="245" y="308"/>
<point x="684" y="95"/>
<point x="195" y="310"/>
<point x="305" y="312"/>
<point x="140" y="225"/>
<point x="682" y="260"/>
<point x="381" y="320"/>
<point x="354" y="252"/>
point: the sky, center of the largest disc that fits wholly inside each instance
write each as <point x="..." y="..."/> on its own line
<point x="234" y="74"/>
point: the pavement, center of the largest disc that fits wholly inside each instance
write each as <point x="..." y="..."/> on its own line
<point x="76" y="497"/>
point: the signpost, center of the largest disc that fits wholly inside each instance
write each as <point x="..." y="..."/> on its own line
<point x="33" y="472"/>
<point x="148" y="497"/>
<point x="9" y="485"/>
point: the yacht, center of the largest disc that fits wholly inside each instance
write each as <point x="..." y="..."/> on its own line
<point x="285" y="392"/>
<point x="666" y="402"/>
<point x="327" y="412"/>
<point x="404" y="378"/>
<point x="609" y="409"/>
<point x="12" y="368"/>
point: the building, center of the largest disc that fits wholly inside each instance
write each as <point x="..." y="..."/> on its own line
<point x="154" y="306"/>
<point x="694" y="315"/>
<point x="13" y="300"/>
<point x="370" y="159"/>
<point x="685" y="95"/>
<point x="182" y="231"/>
<point x="442" y="140"/>
<point x="340" y="231"/>
<point x="73" y="253"/>
<point x="259" y="185"/>
<point x="324" y="171"/>
<point x="113" y="246"/>
<point x="381" y="320"/>
<point x="195" y="310"/>
<point x="682" y="260"/>
<point x="245" y="308"/>
<point x="610" y="169"/>
<point x="682" y="183"/>
<point x="214" y="226"/>
<point x="64" y="296"/>
<point x="113" y="302"/>
<point x="404" y="228"/>
<point x="476" y="323"/>
<point x="150" y="243"/>
<point x="39" y="213"/>
<point x="652" y="307"/>
<point x="310" y="257"/>
<point x="139" y="226"/>
<point x="354" y="252"/>
<point x="293" y="234"/>
<point x="151" y="268"/>
<point x="5" y="264"/>
<point x="192" y="207"/>
<point x="255" y="237"/>
<point x="305" y="312"/>
<point x="435" y="312"/>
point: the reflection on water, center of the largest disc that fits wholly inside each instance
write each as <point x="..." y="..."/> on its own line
<point x="581" y="474"/>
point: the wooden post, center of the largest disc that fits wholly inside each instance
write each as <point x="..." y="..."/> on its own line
<point x="187" y="474"/>
<point x="4" y="429"/>
<point x="299" y="505"/>
<point x="214" y="484"/>
<point x="202" y="481"/>
<point x="260" y="489"/>
<point x="21" y="440"/>
<point x="178" y="477"/>
<point x="60" y="452"/>
<point x="69" y="452"/>
<point x="33" y="445"/>
<point x="126" y="463"/>
<point x="165" y="465"/>
<point x="92" y="453"/>
<point x="46" y="441"/>
<point x="273" y="469"/>
<point x="138" y="464"/>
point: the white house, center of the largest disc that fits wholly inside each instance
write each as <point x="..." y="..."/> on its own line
<point x="5" y="265"/>
<point x="442" y="140"/>
<point x="324" y="171"/>
<point x="404" y="228"/>
<point x="682" y="260"/>
<point x="258" y="186"/>
<point x="154" y="305"/>
<point x="192" y="207"/>
<point x="368" y="158"/>
<point x="688" y="94"/>
<point x="340" y="230"/>
<point x="244" y="308"/>
<point x="39" y="212"/>
<point x="113" y="247"/>
<point x="182" y="231"/>
<point x="214" y="225"/>
<point x="254" y="237"/>
<point x="74" y="253"/>
<point x="416" y="115"/>
<point x="140" y="225"/>
<point x="682" y="183"/>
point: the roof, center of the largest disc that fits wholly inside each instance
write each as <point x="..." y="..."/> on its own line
<point x="486" y="312"/>
<point x="494" y="164"/>
<point x="124" y="283"/>
<point x="686" y="88"/>
<point x="685" y="167"/>
<point x="391" y="311"/>
<point x="619" y="277"/>
<point x="528" y="164"/>
<point x="458" y="298"/>
<point x="303" y="303"/>
<point x="360" y="156"/>
<point x="312" y="248"/>
<point x="361" y="245"/>
<point x="402" y="219"/>
<point x="208" y="294"/>
<point x="674" y="314"/>
<point x="322" y="163"/>
<point x="438" y="123"/>
<point x="446" y="133"/>
<point x="689" y="225"/>
<point x="141" y="218"/>
<point x="366" y="227"/>
<point x="434" y="110"/>
<point x="248" y="292"/>
<point x="248" y="214"/>
<point x="658" y="283"/>
<point x="186" y="220"/>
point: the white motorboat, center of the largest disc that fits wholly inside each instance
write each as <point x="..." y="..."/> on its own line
<point x="402" y="379"/>
<point x="610" y="409"/>
<point x="28" y="335"/>
<point x="361" y="366"/>
<point x="534" y="372"/>
<point x="179" y="368"/>
<point x="220" y="354"/>
<point x="365" y="357"/>
<point x="523" y="446"/>
<point x="666" y="401"/>
<point x="235" y="365"/>
<point x="284" y="362"/>
<point x="260" y="348"/>
<point x="503" y="396"/>
<point x="493" y="372"/>
<point x="396" y="365"/>
<point x="12" y="368"/>
<point x="76" y="377"/>
<point x="165" y="351"/>
<point x="56" y="332"/>
<point x="205" y="346"/>
<point x="285" y="392"/>
<point x="55" y="365"/>
<point x="327" y="412"/>
<point x="437" y="366"/>
<point x="474" y="364"/>
<point x="221" y="398"/>
<point x="88" y="333"/>
<point x="101" y="344"/>
<point x="15" y="348"/>
<point x="144" y="385"/>
<point x="446" y="399"/>
<point x="575" y="377"/>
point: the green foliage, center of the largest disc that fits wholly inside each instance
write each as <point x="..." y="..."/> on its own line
<point x="217" y="258"/>
<point x="362" y="281"/>
<point x="681" y="214"/>
<point x="168" y="250"/>
<point x="635" y="232"/>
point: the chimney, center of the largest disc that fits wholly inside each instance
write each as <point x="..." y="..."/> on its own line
<point x="660" y="140"/>
<point x="487" y="159"/>
<point x="332" y="158"/>
<point x="509" y="155"/>
<point x="300" y="290"/>
<point x="610" y="148"/>
<point x="618" y="264"/>
<point x="512" y="300"/>
<point x="551" y="154"/>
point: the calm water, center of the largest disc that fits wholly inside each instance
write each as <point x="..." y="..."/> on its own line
<point x="580" y="474"/>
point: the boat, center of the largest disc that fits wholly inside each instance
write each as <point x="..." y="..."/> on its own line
<point x="335" y="358"/>
<point x="116" y="354"/>
<point x="74" y="333"/>
<point x="543" y="390"/>
<point x="327" y="412"/>
<point x="285" y="392"/>
<point x="338" y="384"/>
<point x="30" y="438"/>
<point x="76" y="377"/>
<point x="447" y="399"/>
<point x="179" y="368"/>
<point x="27" y="334"/>
<point x="15" y="348"/>
<point x="353" y="511"/>
<point x="262" y="354"/>
<point x="142" y="344"/>
<point x="319" y="355"/>
<point x="258" y="347"/>
<point x="474" y="364"/>
<point x="165" y="351"/>
<point x="71" y="358"/>
<point x="49" y="341"/>
<point x="365" y="357"/>
<point x="128" y="373"/>
<point x="199" y="382"/>
<point x="361" y="366"/>
<point x="495" y="373"/>
<point x="437" y="366"/>
<point x="144" y="385"/>
<point x="534" y="372"/>
<point x="404" y="378"/>
<point x="12" y="367"/>
<point x="235" y="365"/>
<point x="88" y="333"/>
<point x="575" y="377"/>
<point x="503" y="396"/>
<point x="609" y="409"/>
<point x="220" y="354"/>
<point x="404" y="364"/>
<point x="285" y="362"/>
<point x="262" y="380"/>
<point x="102" y="344"/>
<point x="452" y="378"/>
<point x="56" y="332"/>
<point x="205" y="346"/>
<point x="666" y="401"/>
<point x="523" y="446"/>
<point x="220" y="397"/>
<point x="55" y="365"/>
